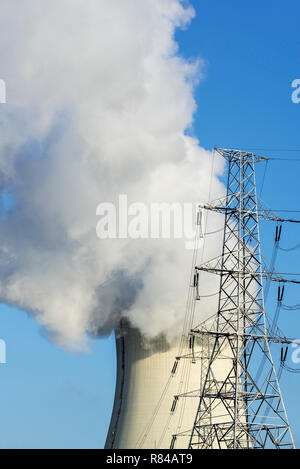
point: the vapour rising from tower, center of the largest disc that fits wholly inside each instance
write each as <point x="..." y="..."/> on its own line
<point x="83" y="124"/>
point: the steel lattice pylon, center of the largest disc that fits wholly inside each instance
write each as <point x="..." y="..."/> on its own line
<point x="243" y="408"/>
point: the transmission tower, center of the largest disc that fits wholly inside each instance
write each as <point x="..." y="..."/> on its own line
<point x="240" y="406"/>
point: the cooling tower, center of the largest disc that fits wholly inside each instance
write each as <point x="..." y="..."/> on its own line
<point x="146" y="413"/>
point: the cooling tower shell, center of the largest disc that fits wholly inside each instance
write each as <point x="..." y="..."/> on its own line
<point x="145" y="391"/>
<point x="143" y="369"/>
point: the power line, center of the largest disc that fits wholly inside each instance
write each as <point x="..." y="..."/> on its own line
<point x="263" y="181"/>
<point x="284" y="159"/>
<point x="291" y="308"/>
<point x="291" y="211"/>
<point x="290" y="249"/>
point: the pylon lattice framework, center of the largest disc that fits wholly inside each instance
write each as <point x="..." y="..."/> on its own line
<point x="245" y="408"/>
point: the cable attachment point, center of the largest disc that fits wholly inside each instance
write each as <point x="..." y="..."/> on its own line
<point x="283" y="354"/>
<point x="278" y="233"/>
<point x="174" y="438"/>
<point x="174" y="404"/>
<point x="280" y="293"/>
<point x="175" y="367"/>
<point x="196" y="284"/>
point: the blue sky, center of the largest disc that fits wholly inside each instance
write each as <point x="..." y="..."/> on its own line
<point x="53" y="398"/>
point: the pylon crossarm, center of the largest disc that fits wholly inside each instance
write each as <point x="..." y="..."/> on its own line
<point x="247" y="274"/>
<point x="233" y="155"/>
<point x="245" y="336"/>
<point x="262" y="214"/>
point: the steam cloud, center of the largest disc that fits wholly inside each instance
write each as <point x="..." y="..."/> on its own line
<point x="98" y="101"/>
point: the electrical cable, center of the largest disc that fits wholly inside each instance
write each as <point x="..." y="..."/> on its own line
<point x="214" y="232"/>
<point x="263" y="180"/>
<point x="291" y="308"/>
<point x="290" y="369"/>
<point x="297" y="246"/>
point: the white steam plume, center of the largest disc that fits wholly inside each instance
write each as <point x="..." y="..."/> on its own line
<point x="98" y="101"/>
